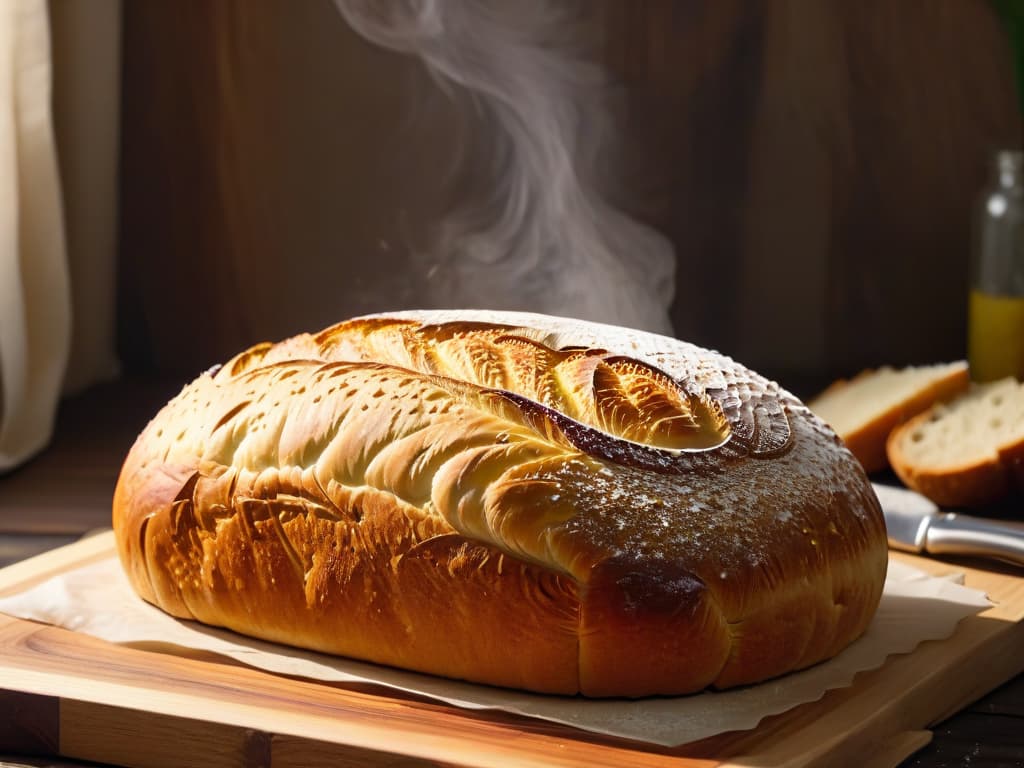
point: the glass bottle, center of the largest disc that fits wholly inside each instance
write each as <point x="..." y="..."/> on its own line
<point x="995" y="320"/>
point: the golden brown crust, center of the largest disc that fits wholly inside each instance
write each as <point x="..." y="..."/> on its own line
<point x="512" y="499"/>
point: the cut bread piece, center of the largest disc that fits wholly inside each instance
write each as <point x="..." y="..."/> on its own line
<point x="865" y="409"/>
<point x="966" y="453"/>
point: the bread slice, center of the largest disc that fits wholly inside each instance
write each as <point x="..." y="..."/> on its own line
<point x="865" y="409"/>
<point x="967" y="453"/>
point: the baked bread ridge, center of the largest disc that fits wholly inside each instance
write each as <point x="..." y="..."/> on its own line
<point x="496" y="539"/>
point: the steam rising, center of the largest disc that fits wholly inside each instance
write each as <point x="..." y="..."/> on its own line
<point x="541" y="238"/>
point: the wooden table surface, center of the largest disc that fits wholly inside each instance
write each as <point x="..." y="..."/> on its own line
<point x="65" y="493"/>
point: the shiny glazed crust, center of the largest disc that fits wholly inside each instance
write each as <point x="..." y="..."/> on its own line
<point x="506" y="498"/>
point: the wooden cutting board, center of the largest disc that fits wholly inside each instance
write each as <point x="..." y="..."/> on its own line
<point x="68" y="694"/>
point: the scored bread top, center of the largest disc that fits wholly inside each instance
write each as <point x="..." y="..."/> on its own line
<point x="613" y="457"/>
<point x="605" y="414"/>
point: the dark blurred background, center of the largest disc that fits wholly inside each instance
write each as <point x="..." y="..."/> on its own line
<point x="813" y="162"/>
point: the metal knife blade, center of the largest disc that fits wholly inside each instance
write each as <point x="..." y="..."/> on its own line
<point x="915" y="524"/>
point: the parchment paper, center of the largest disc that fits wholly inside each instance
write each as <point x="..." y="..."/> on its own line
<point x="97" y="600"/>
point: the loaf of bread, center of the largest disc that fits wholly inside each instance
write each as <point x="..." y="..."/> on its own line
<point x="967" y="453"/>
<point x="506" y="498"/>
<point x="865" y="409"/>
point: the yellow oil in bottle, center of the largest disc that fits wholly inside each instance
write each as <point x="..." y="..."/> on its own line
<point x="995" y="340"/>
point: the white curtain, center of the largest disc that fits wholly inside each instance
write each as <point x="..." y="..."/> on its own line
<point x="35" y="313"/>
<point x="59" y="95"/>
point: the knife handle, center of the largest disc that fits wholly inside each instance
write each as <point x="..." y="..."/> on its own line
<point x="953" y="534"/>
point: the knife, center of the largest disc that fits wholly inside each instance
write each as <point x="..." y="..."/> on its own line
<point x="915" y="524"/>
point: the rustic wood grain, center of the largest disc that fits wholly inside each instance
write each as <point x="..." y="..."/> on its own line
<point x="294" y="752"/>
<point x="261" y="182"/>
<point x="123" y="704"/>
<point x="118" y="735"/>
